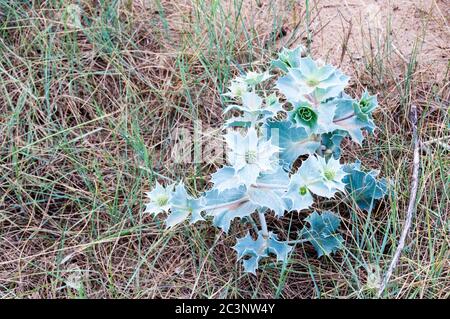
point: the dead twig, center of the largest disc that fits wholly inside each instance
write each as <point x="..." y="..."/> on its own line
<point x="411" y="205"/>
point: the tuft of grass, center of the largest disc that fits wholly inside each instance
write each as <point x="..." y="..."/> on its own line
<point x="92" y="96"/>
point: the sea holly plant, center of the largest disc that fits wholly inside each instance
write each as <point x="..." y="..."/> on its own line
<point x="284" y="132"/>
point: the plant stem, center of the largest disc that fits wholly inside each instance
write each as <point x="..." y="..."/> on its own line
<point x="262" y="220"/>
<point x="297" y="241"/>
<point x="344" y="118"/>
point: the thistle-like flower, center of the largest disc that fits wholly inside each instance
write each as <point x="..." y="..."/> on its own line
<point x="317" y="176"/>
<point x="159" y="199"/>
<point x="331" y="173"/>
<point x="254" y="109"/>
<point x="310" y="81"/>
<point x="250" y="155"/>
<point x="237" y="88"/>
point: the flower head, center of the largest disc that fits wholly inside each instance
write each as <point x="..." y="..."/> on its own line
<point x="317" y="176"/>
<point x="310" y="80"/>
<point x="237" y="88"/>
<point x="250" y="155"/>
<point x="365" y="106"/>
<point x="159" y="199"/>
<point x="184" y="205"/>
<point x="315" y="119"/>
<point x="332" y="173"/>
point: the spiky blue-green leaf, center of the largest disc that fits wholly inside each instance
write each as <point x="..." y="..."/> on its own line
<point x="288" y="58"/>
<point x="245" y="120"/>
<point x="293" y="141"/>
<point x="182" y="205"/>
<point x="227" y="205"/>
<point x="346" y="120"/>
<point x="254" y="250"/>
<point x="273" y="104"/>
<point x="322" y="232"/>
<point x="364" y="187"/>
<point x="237" y="88"/>
<point x="253" y="109"/>
<point x="331" y="144"/>
<point x="268" y="191"/>
<point x="225" y="178"/>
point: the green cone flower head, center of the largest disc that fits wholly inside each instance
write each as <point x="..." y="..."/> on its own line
<point x="304" y="114"/>
<point x="315" y="119"/>
<point x="365" y="106"/>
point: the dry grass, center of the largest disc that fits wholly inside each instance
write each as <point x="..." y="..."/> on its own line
<point x="88" y="118"/>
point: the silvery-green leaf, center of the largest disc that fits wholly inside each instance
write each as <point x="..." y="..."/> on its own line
<point x="268" y="198"/>
<point x="273" y="104"/>
<point x="269" y="190"/>
<point x="291" y="87"/>
<point x="254" y="78"/>
<point x="237" y="88"/>
<point x="225" y="178"/>
<point x="276" y="180"/>
<point x="331" y="144"/>
<point x="293" y="141"/>
<point x="182" y="206"/>
<point x="254" y="250"/>
<point x="336" y="84"/>
<point x="288" y="59"/>
<point x="323" y="232"/>
<point x="245" y="120"/>
<point x="254" y="110"/>
<point x="364" y="188"/>
<point x="227" y="205"/>
<point x="248" y="246"/>
<point x="346" y="120"/>
<point x="279" y="248"/>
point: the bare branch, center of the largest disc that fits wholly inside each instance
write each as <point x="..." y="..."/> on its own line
<point x="411" y="205"/>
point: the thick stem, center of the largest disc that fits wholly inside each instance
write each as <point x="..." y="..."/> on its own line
<point x="262" y="220"/>
<point x="297" y="241"/>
